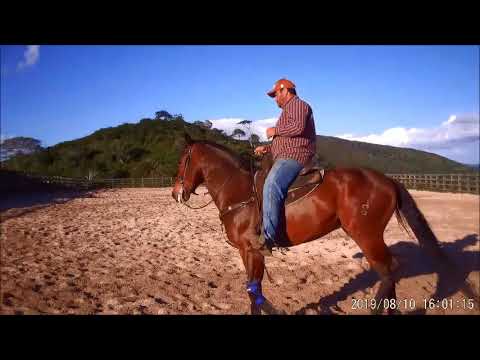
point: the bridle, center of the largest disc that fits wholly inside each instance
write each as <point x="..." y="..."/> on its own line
<point x="222" y="213"/>
<point x="182" y="182"/>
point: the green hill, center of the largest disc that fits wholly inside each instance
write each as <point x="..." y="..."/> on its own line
<point x="151" y="148"/>
<point x="387" y="159"/>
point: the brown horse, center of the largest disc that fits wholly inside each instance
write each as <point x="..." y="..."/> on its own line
<point x="360" y="201"/>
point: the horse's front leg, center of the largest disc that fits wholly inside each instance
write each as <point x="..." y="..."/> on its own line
<point x="254" y="265"/>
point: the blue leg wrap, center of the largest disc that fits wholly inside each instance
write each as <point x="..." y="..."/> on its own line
<point x="254" y="288"/>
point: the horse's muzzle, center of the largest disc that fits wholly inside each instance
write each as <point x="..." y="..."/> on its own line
<point x="180" y="195"/>
<point x="177" y="193"/>
<point x="178" y="198"/>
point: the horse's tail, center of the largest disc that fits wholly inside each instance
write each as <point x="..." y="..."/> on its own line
<point x="408" y="211"/>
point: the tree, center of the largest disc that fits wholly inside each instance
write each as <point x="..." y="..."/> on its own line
<point x="91" y="174"/>
<point x="136" y="153"/>
<point x="245" y="122"/>
<point x="204" y="124"/>
<point x="208" y="124"/>
<point x="163" y="115"/>
<point x="238" y="132"/>
<point x="218" y="131"/>
<point x="254" y="139"/>
<point x="19" y="145"/>
<point x="144" y="121"/>
<point x="178" y="117"/>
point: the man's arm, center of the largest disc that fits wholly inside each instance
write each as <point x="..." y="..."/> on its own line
<point x="296" y="121"/>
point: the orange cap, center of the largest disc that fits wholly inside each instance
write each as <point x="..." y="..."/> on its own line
<point x="280" y="84"/>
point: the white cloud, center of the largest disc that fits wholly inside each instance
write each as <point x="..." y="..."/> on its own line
<point x="30" y="57"/>
<point x="452" y="138"/>
<point x="457" y="129"/>
<point x="258" y="127"/>
<point x="456" y="138"/>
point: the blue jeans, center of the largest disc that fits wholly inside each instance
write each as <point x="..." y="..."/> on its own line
<point x="280" y="177"/>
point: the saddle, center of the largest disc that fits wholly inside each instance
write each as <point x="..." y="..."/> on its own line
<point x="309" y="177"/>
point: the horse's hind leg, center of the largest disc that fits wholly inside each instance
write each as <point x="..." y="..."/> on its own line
<point x="386" y="296"/>
<point x="380" y="259"/>
<point x="384" y="264"/>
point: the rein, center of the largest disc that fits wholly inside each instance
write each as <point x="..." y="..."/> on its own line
<point x="230" y="207"/>
<point x="213" y="198"/>
<point x="182" y="178"/>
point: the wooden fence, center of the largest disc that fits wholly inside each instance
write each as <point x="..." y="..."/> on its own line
<point x="106" y="183"/>
<point x="136" y="182"/>
<point x="461" y="183"/>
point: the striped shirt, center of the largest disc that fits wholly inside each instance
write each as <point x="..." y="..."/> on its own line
<point x="295" y="135"/>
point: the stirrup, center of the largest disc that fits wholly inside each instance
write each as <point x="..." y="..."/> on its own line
<point x="262" y="246"/>
<point x="259" y="242"/>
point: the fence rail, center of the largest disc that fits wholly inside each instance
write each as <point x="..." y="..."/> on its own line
<point x="108" y="183"/>
<point x="136" y="182"/>
<point x="461" y="183"/>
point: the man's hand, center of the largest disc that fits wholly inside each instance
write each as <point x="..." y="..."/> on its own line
<point x="260" y="150"/>
<point x="270" y="132"/>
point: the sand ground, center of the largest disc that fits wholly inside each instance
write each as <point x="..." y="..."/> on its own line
<point x="136" y="251"/>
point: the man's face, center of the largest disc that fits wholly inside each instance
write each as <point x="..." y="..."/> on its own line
<point x="281" y="97"/>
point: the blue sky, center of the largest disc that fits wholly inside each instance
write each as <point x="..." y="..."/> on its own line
<point x="425" y="97"/>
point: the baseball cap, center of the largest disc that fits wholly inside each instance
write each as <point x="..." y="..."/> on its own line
<point x="280" y="84"/>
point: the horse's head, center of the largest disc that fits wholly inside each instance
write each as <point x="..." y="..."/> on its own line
<point x="189" y="174"/>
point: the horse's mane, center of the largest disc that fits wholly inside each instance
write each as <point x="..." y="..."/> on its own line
<point x="239" y="162"/>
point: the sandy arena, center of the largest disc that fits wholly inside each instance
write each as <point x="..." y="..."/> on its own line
<point x="136" y="251"/>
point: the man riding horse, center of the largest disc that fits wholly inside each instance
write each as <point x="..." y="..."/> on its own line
<point x="360" y="201"/>
<point x="292" y="147"/>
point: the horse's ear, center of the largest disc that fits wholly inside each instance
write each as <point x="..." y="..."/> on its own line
<point x="188" y="139"/>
